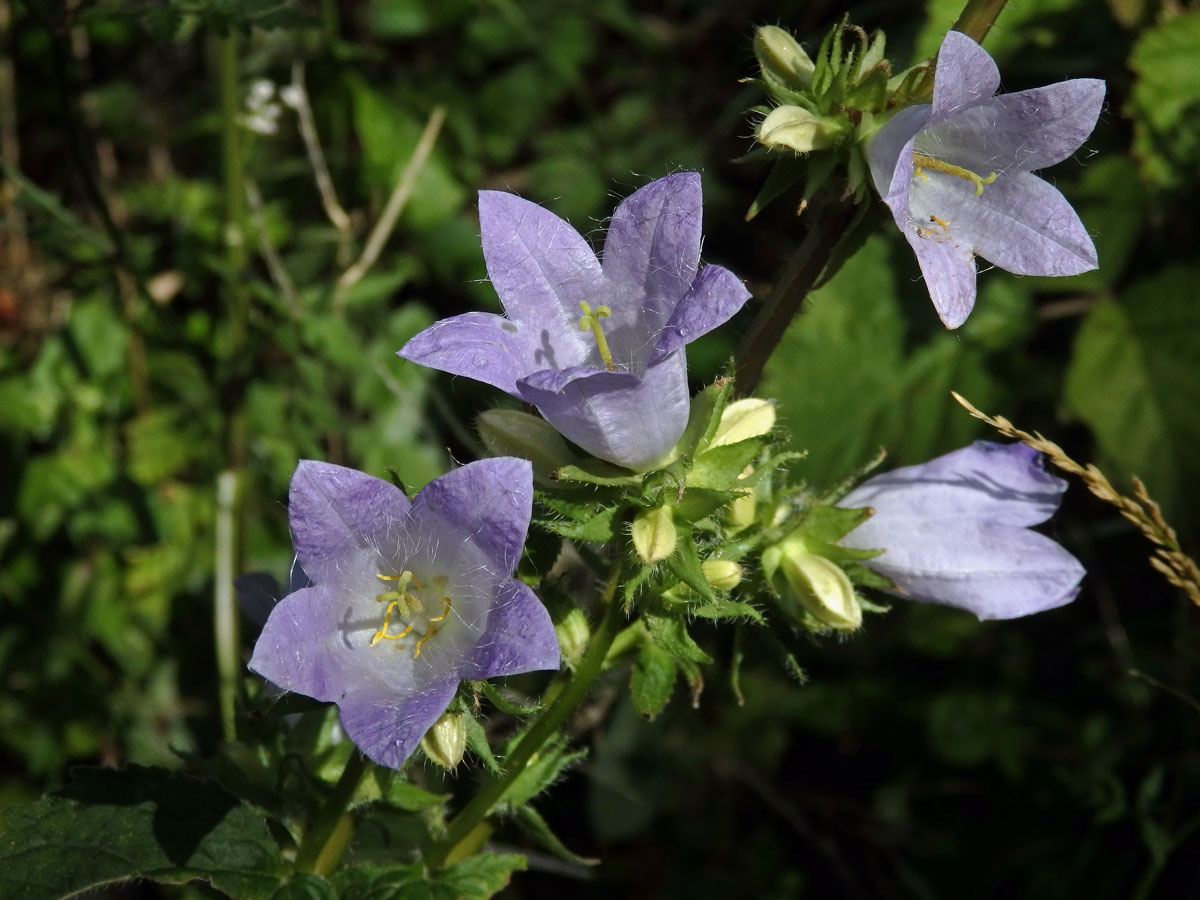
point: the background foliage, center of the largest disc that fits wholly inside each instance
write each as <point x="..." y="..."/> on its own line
<point x="161" y="326"/>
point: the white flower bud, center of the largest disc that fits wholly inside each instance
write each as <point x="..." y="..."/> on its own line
<point x="744" y="419"/>
<point x="723" y="574"/>
<point x="782" y="59"/>
<point x="806" y="582"/>
<point x="445" y="742"/>
<point x="795" y="128"/>
<point x="654" y="534"/>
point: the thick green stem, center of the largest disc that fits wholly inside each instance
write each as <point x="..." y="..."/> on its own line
<point x="978" y="17"/>
<point x="332" y="827"/>
<point x="465" y="823"/>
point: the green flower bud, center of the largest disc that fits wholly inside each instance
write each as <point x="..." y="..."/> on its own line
<point x="806" y="582"/>
<point x="795" y="128"/>
<point x="445" y="741"/>
<point x="744" y="419"/>
<point x="782" y="60"/>
<point x="654" y="534"/>
<point x="723" y="574"/>
<point x="509" y="432"/>
<point x="573" y="634"/>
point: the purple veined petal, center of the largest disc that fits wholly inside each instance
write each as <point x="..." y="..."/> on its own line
<point x="615" y="416"/>
<point x="965" y="76"/>
<point x="542" y="270"/>
<point x="715" y="296"/>
<point x="949" y="270"/>
<point x="333" y="510"/>
<point x="490" y="501"/>
<point x="1021" y="223"/>
<point x="483" y="346"/>
<point x="1003" y="483"/>
<point x="651" y="254"/>
<point x="520" y="636"/>
<point x="1018" y="132"/>
<point x="299" y="647"/>
<point x="388" y="727"/>
<point x="885" y="148"/>
<point x="994" y="571"/>
<point x="554" y="381"/>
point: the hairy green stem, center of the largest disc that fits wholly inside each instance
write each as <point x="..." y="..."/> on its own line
<point x="332" y="828"/>
<point x="551" y="720"/>
<point x="978" y="17"/>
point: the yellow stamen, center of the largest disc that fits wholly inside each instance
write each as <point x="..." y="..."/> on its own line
<point x="445" y="610"/>
<point x="387" y="618"/>
<point x="945" y="224"/>
<point x="921" y="161"/>
<point x="430" y="633"/>
<point x="591" y="321"/>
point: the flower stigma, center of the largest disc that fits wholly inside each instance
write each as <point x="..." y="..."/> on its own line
<point x="591" y="321"/>
<point x="409" y="608"/>
<point x="921" y="162"/>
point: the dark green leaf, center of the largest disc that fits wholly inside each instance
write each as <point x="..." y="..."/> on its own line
<point x="532" y="823"/>
<point x="652" y="679"/>
<point x="110" y="825"/>
<point x="719" y="468"/>
<point x="670" y="633"/>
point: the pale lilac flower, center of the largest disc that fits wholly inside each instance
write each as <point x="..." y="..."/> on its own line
<point x="407" y="599"/>
<point x="958" y="175"/>
<point x="957" y="531"/>
<point x="597" y="348"/>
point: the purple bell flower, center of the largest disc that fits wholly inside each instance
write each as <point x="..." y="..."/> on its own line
<point x="597" y="348"/>
<point x="957" y="531"/>
<point x="407" y="599"/>
<point x="958" y="175"/>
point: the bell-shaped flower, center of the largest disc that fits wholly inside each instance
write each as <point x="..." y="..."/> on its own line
<point x="407" y="599"/>
<point x="958" y="175"/>
<point x="597" y="347"/>
<point x="956" y="531"/>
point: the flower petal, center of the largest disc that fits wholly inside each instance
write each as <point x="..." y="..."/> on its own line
<point x="651" y="254"/>
<point x="483" y="346"/>
<point x="489" y="502"/>
<point x="1021" y="223"/>
<point x="387" y="727"/>
<point x="542" y="269"/>
<point x="1003" y="483"/>
<point x="994" y="571"/>
<point x="715" y="296"/>
<point x="890" y="174"/>
<point x="949" y="270"/>
<point x="965" y="76"/>
<point x="613" y="415"/>
<point x="1019" y="132"/>
<point x="334" y="511"/>
<point x="519" y="638"/>
<point x="299" y="649"/>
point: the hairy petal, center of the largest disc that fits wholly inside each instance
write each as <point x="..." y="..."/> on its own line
<point x="652" y="250"/>
<point x="387" y="727"/>
<point x="965" y="76"/>
<point x="489" y="501"/>
<point x="542" y="269"/>
<point x="713" y="299"/>
<point x="1003" y="483"/>
<point x="520" y="636"/>
<point x="614" y="415"/>
<point x="334" y="510"/>
<point x="949" y="270"/>
<point x="483" y="346"/>
<point x="299" y="649"/>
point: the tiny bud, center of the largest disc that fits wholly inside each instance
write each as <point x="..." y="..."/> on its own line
<point x="795" y="128"/>
<point x="782" y="60"/>
<point x="509" y="432"/>
<point x="806" y="582"/>
<point x="654" y="534"/>
<point x="723" y="574"/>
<point x="744" y="419"/>
<point x="445" y="741"/>
<point x="573" y="634"/>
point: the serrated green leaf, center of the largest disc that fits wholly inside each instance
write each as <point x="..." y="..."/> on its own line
<point x="652" y="679"/>
<point x="481" y="876"/>
<point x="700" y="502"/>
<point x="684" y="564"/>
<point x="601" y="526"/>
<point x="407" y="796"/>
<point x="670" y="633"/>
<point x="1165" y="100"/>
<point x="595" y="471"/>
<point x="531" y="822"/>
<point x="503" y="704"/>
<point x="786" y="173"/>
<point x="478" y="743"/>
<point x="116" y="825"/>
<point x="1132" y="378"/>
<point x="545" y="768"/>
<point x="832" y="523"/>
<point x="704" y="416"/>
<point x="721" y="467"/>
<point x="722" y="610"/>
